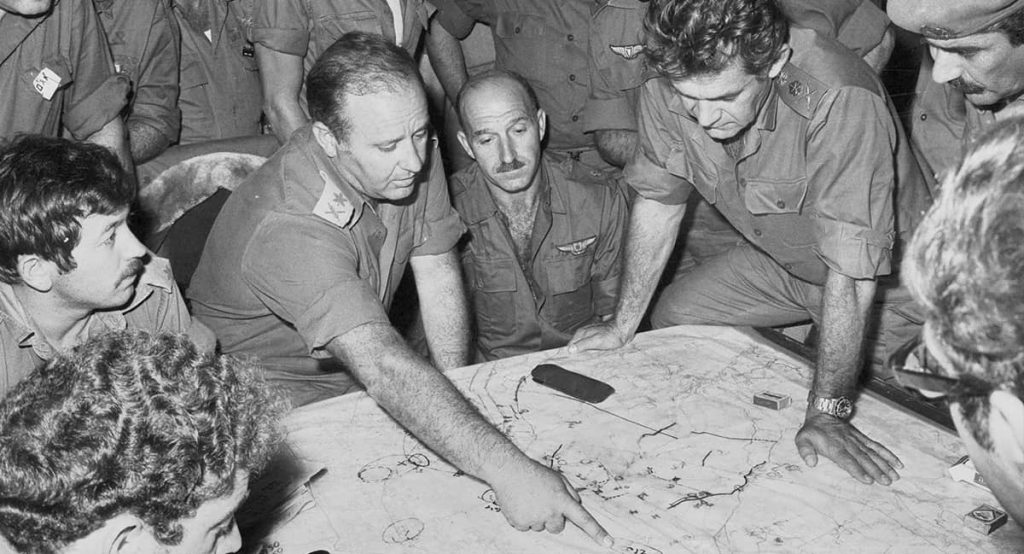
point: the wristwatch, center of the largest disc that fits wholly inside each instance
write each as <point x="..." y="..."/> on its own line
<point x="840" y="406"/>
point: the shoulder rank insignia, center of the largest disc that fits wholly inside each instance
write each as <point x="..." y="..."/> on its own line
<point x="576" y="248"/>
<point x="627" y="51"/>
<point x="333" y="206"/>
<point x="800" y="91"/>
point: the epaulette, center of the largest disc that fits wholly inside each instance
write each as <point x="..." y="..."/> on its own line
<point x="799" y="90"/>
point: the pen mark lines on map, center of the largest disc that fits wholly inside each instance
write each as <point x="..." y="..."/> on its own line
<point x="700" y="496"/>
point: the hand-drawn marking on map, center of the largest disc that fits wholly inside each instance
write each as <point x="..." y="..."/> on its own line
<point x="490" y="501"/>
<point x="635" y="548"/>
<point x="403" y="530"/>
<point x="652" y="430"/>
<point x="699" y="496"/>
<point x="385" y="468"/>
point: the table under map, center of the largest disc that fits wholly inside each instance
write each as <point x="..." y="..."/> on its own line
<point x="678" y="459"/>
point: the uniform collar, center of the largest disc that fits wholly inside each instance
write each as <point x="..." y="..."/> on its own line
<point x="479" y="205"/>
<point x="155" y="275"/>
<point x="338" y="202"/>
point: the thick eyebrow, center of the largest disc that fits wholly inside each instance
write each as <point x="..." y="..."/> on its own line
<point x="514" y="122"/>
<point x="726" y="96"/>
<point x="420" y="129"/>
<point x="955" y="48"/>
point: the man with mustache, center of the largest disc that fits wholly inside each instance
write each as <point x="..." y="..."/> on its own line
<point x="542" y="258"/>
<point x="971" y="76"/>
<point x="303" y="262"/>
<point x="70" y="267"/>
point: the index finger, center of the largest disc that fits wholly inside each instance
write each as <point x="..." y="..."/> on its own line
<point x="580" y="517"/>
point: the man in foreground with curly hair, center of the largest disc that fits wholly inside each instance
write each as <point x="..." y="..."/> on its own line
<point x="965" y="265"/>
<point x="132" y="443"/>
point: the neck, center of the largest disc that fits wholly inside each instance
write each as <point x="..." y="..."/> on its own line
<point x="59" y="324"/>
<point x="520" y="203"/>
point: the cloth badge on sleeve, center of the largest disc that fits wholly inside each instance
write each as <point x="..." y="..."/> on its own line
<point x="332" y="206"/>
<point x="46" y="83"/>
<point x="629" y="52"/>
<point x="576" y="248"/>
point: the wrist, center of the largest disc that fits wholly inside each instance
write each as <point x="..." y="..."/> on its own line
<point x="838" y="406"/>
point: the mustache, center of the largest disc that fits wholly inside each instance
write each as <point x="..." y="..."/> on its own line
<point x="966" y="87"/>
<point x="135" y="266"/>
<point x="510" y="166"/>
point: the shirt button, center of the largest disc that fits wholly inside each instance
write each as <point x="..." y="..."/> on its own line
<point x="787" y="266"/>
<point x="571" y="37"/>
<point x="757" y="232"/>
<point x="575" y="118"/>
<point x="781" y="205"/>
<point x="518" y="30"/>
<point x="572" y="77"/>
<point x="924" y="117"/>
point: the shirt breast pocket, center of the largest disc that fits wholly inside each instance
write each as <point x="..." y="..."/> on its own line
<point x="493" y="284"/>
<point x="775" y="196"/>
<point x="525" y="35"/>
<point x="571" y="302"/>
<point x="51" y="75"/>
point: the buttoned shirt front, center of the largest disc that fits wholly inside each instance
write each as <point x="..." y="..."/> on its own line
<point x="618" y="68"/>
<point x="221" y="95"/>
<point x="547" y="43"/>
<point x="573" y="273"/>
<point x="298" y="257"/>
<point x="156" y="307"/>
<point x="56" y="73"/>
<point x="306" y="28"/>
<point x="814" y="186"/>
<point x="144" y="41"/>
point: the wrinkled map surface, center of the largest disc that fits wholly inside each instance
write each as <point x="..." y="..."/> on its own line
<point x="679" y="459"/>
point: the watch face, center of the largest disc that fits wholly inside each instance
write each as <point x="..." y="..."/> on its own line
<point x="844" y="408"/>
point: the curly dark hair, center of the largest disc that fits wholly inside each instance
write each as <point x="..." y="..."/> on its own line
<point x="687" y="38"/>
<point x="46" y="184"/>
<point x="129" y="422"/>
<point x="965" y="265"/>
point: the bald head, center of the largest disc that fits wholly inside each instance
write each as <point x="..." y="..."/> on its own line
<point x="508" y="84"/>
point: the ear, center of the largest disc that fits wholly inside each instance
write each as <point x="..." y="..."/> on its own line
<point x="37" y="273"/>
<point x="542" y="122"/>
<point x="464" y="141"/>
<point x="780" y="62"/>
<point x="1006" y="425"/>
<point x="325" y="138"/>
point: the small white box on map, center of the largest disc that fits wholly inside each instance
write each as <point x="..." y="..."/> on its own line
<point x="964" y="470"/>
<point x="985" y="518"/>
<point x="772" y="400"/>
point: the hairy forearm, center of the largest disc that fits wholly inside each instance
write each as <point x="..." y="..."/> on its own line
<point x="112" y="136"/>
<point x="846" y="304"/>
<point x="447" y="59"/>
<point x="145" y="142"/>
<point x="616" y="146"/>
<point x="443" y="306"/>
<point x="653" y="227"/>
<point x="281" y="93"/>
<point x="423" y="400"/>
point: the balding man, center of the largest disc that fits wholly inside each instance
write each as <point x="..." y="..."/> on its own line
<point x="971" y="77"/>
<point x="306" y="255"/>
<point x="542" y="258"/>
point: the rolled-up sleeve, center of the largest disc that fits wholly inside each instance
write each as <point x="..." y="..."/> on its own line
<point x="98" y="93"/>
<point x="647" y="173"/>
<point x="608" y="257"/>
<point x="282" y="26"/>
<point x="155" y="99"/>
<point x="306" y="272"/>
<point x="858" y="24"/>
<point x="452" y="18"/>
<point x="442" y="227"/>
<point x="853" y="186"/>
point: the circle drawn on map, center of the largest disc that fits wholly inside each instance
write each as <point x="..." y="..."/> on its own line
<point x="375" y="474"/>
<point x="418" y="460"/>
<point x="403" y="530"/>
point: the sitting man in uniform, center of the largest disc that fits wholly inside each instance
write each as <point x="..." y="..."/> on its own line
<point x="966" y="267"/>
<point x="147" y="444"/>
<point x="56" y="74"/>
<point x="306" y="256"/>
<point x="542" y="257"/>
<point x="757" y="116"/>
<point x="70" y="267"/>
<point x="972" y="74"/>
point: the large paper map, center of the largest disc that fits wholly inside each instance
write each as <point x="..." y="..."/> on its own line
<point x="678" y="459"/>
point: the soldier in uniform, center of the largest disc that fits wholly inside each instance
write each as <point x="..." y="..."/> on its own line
<point x="306" y="256"/>
<point x="542" y="256"/>
<point x="764" y="135"/>
<point x="971" y="76"/>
